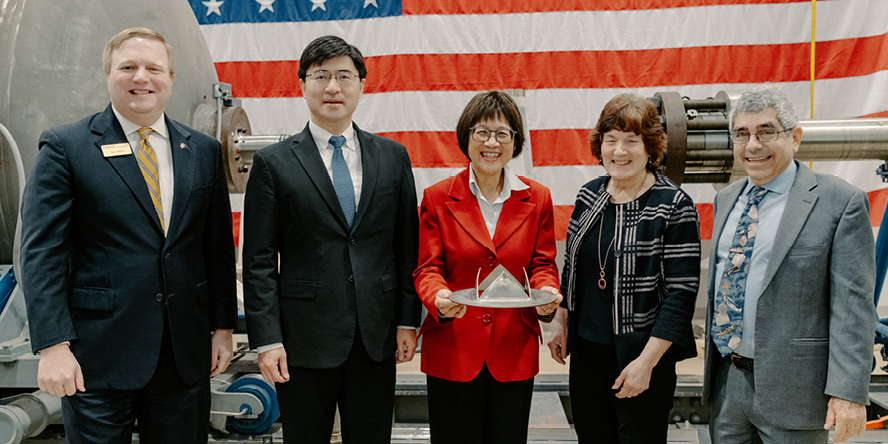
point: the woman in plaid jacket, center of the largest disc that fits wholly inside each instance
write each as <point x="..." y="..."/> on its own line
<point x="630" y="279"/>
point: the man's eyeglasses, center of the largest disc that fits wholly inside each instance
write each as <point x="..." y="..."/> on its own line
<point x="323" y="77"/>
<point x="765" y="135"/>
<point x="503" y="136"/>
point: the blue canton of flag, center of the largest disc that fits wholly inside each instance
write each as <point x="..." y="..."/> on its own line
<point x="210" y="12"/>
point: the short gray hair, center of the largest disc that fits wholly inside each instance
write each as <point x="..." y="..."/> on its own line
<point x="763" y="97"/>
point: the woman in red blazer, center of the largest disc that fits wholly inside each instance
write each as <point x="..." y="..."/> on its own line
<point x="480" y="362"/>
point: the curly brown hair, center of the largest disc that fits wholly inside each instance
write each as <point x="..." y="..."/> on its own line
<point x="632" y="114"/>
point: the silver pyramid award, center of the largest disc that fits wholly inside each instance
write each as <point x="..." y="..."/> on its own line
<point x="501" y="290"/>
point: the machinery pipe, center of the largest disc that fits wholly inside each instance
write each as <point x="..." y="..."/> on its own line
<point x="705" y="104"/>
<point x="17" y="157"/>
<point x="252" y="143"/>
<point x="700" y="147"/>
<point x="697" y="177"/>
<point x="26" y="415"/>
<point x="708" y="124"/>
<point x="844" y="139"/>
<point x="721" y="155"/>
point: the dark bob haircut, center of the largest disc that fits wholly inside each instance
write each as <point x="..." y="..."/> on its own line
<point x="631" y="113"/>
<point x="489" y="106"/>
<point x="329" y="47"/>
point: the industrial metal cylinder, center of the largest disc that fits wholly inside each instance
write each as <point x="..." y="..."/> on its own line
<point x="700" y="149"/>
<point x="26" y="415"/>
<point x="844" y="139"/>
<point x="53" y="72"/>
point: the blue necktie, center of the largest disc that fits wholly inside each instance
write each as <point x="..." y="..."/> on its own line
<point x="727" y="317"/>
<point x="342" y="181"/>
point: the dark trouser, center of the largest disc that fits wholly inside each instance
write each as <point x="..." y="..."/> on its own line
<point x="364" y="390"/>
<point x="167" y="409"/>
<point x="482" y="411"/>
<point x="599" y="416"/>
<point x="734" y="419"/>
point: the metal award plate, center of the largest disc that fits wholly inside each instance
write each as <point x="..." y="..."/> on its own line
<point x="501" y="290"/>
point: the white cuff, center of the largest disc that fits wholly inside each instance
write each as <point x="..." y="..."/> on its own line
<point x="265" y="348"/>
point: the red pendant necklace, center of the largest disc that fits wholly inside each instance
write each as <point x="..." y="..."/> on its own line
<point x="602" y="282"/>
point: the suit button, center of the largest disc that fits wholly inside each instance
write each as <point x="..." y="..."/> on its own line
<point x="351" y="278"/>
<point x="486" y="318"/>
<point x="158" y="297"/>
<point x="351" y="241"/>
<point x="491" y="261"/>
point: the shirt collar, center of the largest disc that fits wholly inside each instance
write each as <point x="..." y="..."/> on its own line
<point x="129" y="127"/>
<point x="780" y="184"/>
<point x="322" y="136"/>
<point x="511" y="182"/>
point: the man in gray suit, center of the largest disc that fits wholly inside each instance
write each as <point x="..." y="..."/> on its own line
<point x="790" y="317"/>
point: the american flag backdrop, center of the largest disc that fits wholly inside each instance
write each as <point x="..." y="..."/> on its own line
<point x="427" y="58"/>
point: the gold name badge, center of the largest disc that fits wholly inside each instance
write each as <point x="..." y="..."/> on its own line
<point x="117" y="149"/>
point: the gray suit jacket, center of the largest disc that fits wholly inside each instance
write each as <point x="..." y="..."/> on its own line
<point x="815" y="318"/>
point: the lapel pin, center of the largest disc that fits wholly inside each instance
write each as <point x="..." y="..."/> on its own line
<point x="182" y="145"/>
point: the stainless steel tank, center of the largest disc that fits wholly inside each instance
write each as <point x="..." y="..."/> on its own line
<point x="51" y="72"/>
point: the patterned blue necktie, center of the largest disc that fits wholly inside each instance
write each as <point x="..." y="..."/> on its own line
<point x="342" y="181"/>
<point x="727" y="317"/>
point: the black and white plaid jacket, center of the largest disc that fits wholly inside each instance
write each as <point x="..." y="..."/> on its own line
<point x="657" y="270"/>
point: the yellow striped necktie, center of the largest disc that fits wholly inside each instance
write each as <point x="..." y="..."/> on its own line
<point x="148" y="164"/>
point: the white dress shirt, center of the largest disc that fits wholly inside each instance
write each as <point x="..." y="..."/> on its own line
<point x="491" y="210"/>
<point x="351" y="151"/>
<point x="159" y="140"/>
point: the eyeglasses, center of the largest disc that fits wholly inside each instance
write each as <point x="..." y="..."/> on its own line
<point x="765" y="135"/>
<point x="503" y="136"/>
<point x="323" y="77"/>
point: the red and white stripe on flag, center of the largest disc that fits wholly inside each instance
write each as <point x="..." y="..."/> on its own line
<point x="428" y="58"/>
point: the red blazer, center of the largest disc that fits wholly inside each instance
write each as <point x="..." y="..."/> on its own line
<point x="453" y="244"/>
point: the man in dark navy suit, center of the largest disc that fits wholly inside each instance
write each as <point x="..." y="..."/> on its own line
<point x="330" y="244"/>
<point x="128" y="259"/>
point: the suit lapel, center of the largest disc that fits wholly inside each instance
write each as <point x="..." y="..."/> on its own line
<point x="466" y="212"/>
<point x="306" y="153"/>
<point x="184" y="164"/>
<point x="798" y="207"/>
<point x="723" y="209"/>
<point x="109" y="131"/>
<point x="515" y="211"/>
<point x="370" y="172"/>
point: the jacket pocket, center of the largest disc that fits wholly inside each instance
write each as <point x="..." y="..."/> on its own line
<point x="92" y="298"/>
<point x="810" y="348"/>
<point x="389" y="282"/>
<point x="297" y="289"/>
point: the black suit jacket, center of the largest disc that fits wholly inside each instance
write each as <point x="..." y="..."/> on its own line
<point x="330" y="279"/>
<point x="97" y="269"/>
